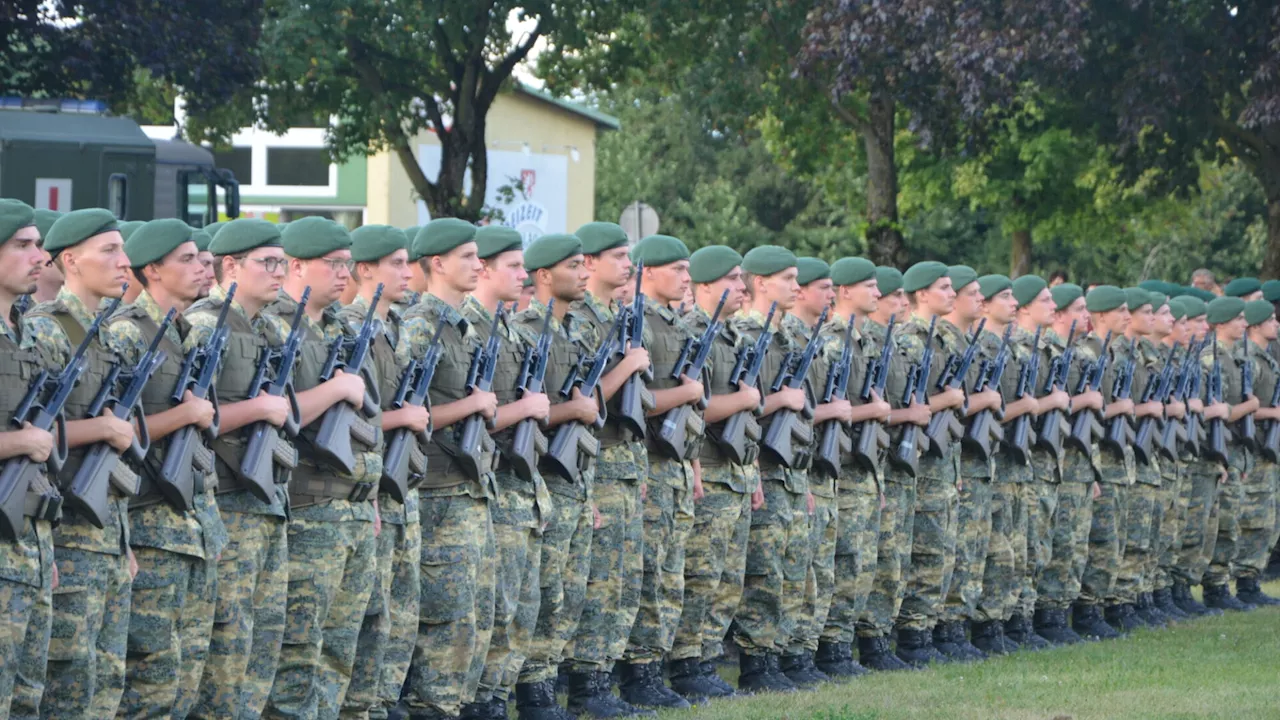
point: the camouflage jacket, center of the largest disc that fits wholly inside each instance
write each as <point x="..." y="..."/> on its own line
<point x="629" y="460"/>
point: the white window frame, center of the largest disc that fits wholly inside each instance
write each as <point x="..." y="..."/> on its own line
<point x="258" y="141"/>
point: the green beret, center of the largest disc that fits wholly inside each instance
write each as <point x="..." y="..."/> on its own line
<point x="1257" y="312"/>
<point x="1224" y="309"/>
<point x="1104" y="298"/>
<point x="549" y="250"/>
<point x="441" y="236"/>
<point x="244" y="234"/>
<point x="961" y="275"/>
<point x="888" y="279"/>
<point x="1065" y="294"/>
<point x="154" y="240"/>
<point x="14" y="215"/>
<point x="811" y="270"/>
<point x="1136" y="298"/>
<point x="922" y="275"/>
<point x="598" y="237"/>
<point x="1158" y="286"/>
<point x="1193" y="306"/>
<point x="45" y="220"/>
<point x="77" y="226"/>
<point x="713" y="262"/>
<point x="766" y="260"/>
<point x="852" y="270"/>
<point x="528" y="281"/>
<point x="1158" y="299"/>
<point x="213" y="228"/>
<point x="201" y="238"/>
<point x="1241" y="287"/>
<point x="1204" y="295"/>
<point x="411" y="232"/>
<point x="1270" y="290"/>
<point x="992" y="285"/>
<point x="371" y="243"/>
<point x="1177" y="308"/>
<point x="1027" y="288"/>
<point x="658" y="250"/>
<point x="313" y="237"/>
<point x="495" y="239"/>
<point x="127" y="229"/>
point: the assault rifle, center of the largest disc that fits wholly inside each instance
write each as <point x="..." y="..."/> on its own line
<point x="672" y="438"/>
<point x="1219" y="436"/>
<point x="906" y="456"/>
<point x="742" y="429"/>
<point x="341" y="422"/>
<point x="101" y="467"/>
<point x="1269" y="447"/>
<point x="943" y="425"/>
<point x="785" y="428"/>
<point x="1246" y="431"/>
<point x="634" y="399"/>
<point x="834" y="440"/>
<point x="985" y="426"/>
<point x="1119" y="431"/>
<point x="42" y="406"/>
<point x="574" y="445"/>
<point x="1194" y="434"/>
<point x="1051" y="432"/>
<point x="1157" y="389"/>
<point x="184" y="454"/>
<point x="1085" y="427"/>
<point x="528" y="442"/>
<point x="264" y="448"/>
<point x="484" y="361"/>
<point x="870" y="433"/>
<point x="404" y="464"/>
<point x="1018" y="443"/>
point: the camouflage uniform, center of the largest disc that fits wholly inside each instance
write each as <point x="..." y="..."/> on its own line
<point x="411" y="298"/>
<point x="26" y="564"/>
<point x="716" y="552"/>
<point x="1041" y="494"/>
<point x="170" y="545"/>
<point x="385" y="643"/>
<point x="612" y="599"/>
<point x="85" y="676"/>
<point x="1172" y="511"/>
<point x="1144" y="510"/>
<point x="1241" y="465"/>
<point x="252" y="573"/>
<point x="458" y="546"/>
<point x="1257" y="516"/>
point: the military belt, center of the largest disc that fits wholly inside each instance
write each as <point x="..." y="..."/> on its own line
<point x="309" y="487"/>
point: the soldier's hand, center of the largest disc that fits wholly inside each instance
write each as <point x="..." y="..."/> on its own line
<point x="693" y="389"/>
<point x="792" y="398"/>
<point x="133" y="564"/>
<point x="585" y="408"/>
<point x="842" y="410"/>
<point x="116" y="432"/>
<point x="38" y="443"/>
<point x="274" y="409"/>
<point x="949" y="398"/>
<point x="1195" y="405"/>
<point x="644" y="491"/>
<point x="55" y="579"/>
<point x="1175" y="409"/>
<point x="486" y="403"/>
<point x="1097" y="490"/>
<point x="1056" y="400"/>
<point x="985" y="400"/>
<point x="636" y="360"/>
<point x="808" y="502"/>
<point x="750" y="395"/>
<point x="1218" y="410"/>
<point x="916" y="414"/>
<point x="1091" y="400"/>
<point x="351" y="385"/>
<point x="201" y="410"/>
<point x="596" y="520"/>
<point x="1120" y="407"/>
<point x="377" y="519"/>
<point x="538" y="405"/>
<point x="416" y="418"/>
<point x="757" y="497"/>
<point x="882" y="408"/>
<point x="699" y="491"/>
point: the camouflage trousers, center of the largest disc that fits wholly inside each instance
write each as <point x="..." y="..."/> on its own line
<point x="26" y="615"/>
<point x="892" y="556"/>
<point x="1140" y="531"/>
<point x="1059" y="584"/>
<point x="973" y="537"/>
<point x="1226" y="545"/>
<point x="1173" y="513"/>
<point x="195" y="631"/>
<point x="562" y="580"/>
<point x="668" y="520"/>
<point x="385" y="645"/>
<point x="1257" y="517"/>
<point x="776" y="545"/>
<point x="1006" y="553"/>
<point x="933" y="545"/>
<point x="154" y="664"/>
<point x="820" y="580"/>
<point x="1199" y="522"/>
<point x="89" y="634"/>
<point x="248" y="622"/>
<point x="455" y="615"/>
<point x="714" y="563"/>
<point x="855" y="561"/>
<point x="1106" y="544"/>
<point x="617" y="571"/>
<point x="1041" y="499"/>
<point x="516" y="599"/>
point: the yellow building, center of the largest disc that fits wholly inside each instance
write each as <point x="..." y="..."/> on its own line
<point x="546" y="144"/>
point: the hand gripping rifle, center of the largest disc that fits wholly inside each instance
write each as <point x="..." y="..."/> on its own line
<point x="785" y="429"/>
<point x="101" y="467"/>
<point x="943" y="425"/>
<point x="573" y="446"/>
<point x="1052" y="428"/>
<point x="678" y="423"/>
<point x="1119" y="431"/>
<point x="184" y="454"/>
<point x="634" y="399"/>
<point x="871" y="436"/>
<point x="342" y="422"/>
<point x="834" y="440"/>
<point x="484" y="361"/>
<point x="1018" y="443"/>
<point x="1172" y="433"/>
<point x="1246" y="430"/>
<point x="1219" y="436"/>
<point x="404" y="464"/>
<point x="42" y="406"/>
<point x="742" y="429"/>
<point x="1085" y="427"/>
<point x="984" y="427"/>
<point x="906" y="455"/>
<point x="1269" y="446"/>
<point x="528" y="442"/>
<point x="1157" y="389"/>
<point x="264" y="447"/>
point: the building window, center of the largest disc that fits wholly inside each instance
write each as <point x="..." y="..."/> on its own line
<point x="298" y="166"/>
<point x="239" y="160"/>
<point x="118" y="195"/>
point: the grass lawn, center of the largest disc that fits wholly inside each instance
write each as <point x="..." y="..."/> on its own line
<point x="1226" y="667"/>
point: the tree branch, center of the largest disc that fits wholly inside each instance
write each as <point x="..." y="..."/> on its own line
<point x="858" y="124"/>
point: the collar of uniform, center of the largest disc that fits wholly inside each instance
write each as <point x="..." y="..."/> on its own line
<point x="1022" y="336"/>
<point x="1051" y="337"/>
<point x="754" y="319"/>
<point x="602" y="311"/>
<point x="446" y="311"/>
<point x="12" y="328"/>
<point x="472" y="304"/>
<point x="148" y="304"/>
<point x="837" y="325"/>
<point x="663" y="312"/>
<point x="75" y="306"/>
<point x="217" y="292"/>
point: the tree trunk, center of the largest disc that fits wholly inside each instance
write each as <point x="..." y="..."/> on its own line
<point x="1271" y="260"/>
<point x="884" y="241"/>
<point x="1020" y="253"/>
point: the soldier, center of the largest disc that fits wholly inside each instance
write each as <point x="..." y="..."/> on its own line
<point x="1245" y="288"/>
<point x="131" y="293"/>
<point x="170" y="541"/>
<point x="457" y="535"/>
<point x="51" y="278"/>
<point x="518" y="509"/>
<point x="526" y="294"/>
<point x="882" y="590"/>
<point x="252" y="573"/>
<point x="716" y="555"/>
<point x="1258" y="506"/>
<point x="202" y="238"/>
<point x="390" y="623"/>
<point x="28" y="575"/>
<point x="858" y="489"/>
<point x="85" y="676"/>
<point x="417" y="279"/>
<point x="617" y="553"/>
<point x="1173" y="472"/>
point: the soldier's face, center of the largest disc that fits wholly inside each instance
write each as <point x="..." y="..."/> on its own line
<point x="569" y="279"/>
<point x="1076" y="313"/>
<point x="1041" y="309"/>
<point x="504" y="275"/>
<point x="1269" y="329"/>
<point x="1002" y="307"/>
<point x="817" y="296"/>
<point x="1197" y="328"/>
<point x="967" y="302"/>
<point x="1140" y="320"/>
<point x="1233" y="330"/>
<point x="736" y="288"/>
<point x="940" y="298"/>
<point x="1115" y="321"/>
<point x="865" y="296"/>
<point x="1162" y="321"/>
<point x="179" y="273"/>
<point x="391" y="271"/>
<point x="526" y="295"/>
<point x="460" y="267"/>
<point x="258" y="276"/>
<point x="99" y="264"/>
<point x="327" y="276"/>
<point x="611" y="267"/>
<point x="895" y="303"/>
<point x="781" y="287"/>
<point x="1178" y="331"/>
<point x="669" y="282"/>
<point x="21" y="262"/>
<point x="206" y="262"/>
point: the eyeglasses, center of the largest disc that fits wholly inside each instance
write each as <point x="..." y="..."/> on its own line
<point x="336" y="264"/>
<point x="270" y="264"/>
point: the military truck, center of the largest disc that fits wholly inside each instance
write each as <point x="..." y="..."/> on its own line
<point x="69" y="154"/>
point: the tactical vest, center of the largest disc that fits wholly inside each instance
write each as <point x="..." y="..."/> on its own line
<point x="664" y="344"/>
<point x="505" y="374"/>
<point x="612" y="434"/>
<point x="720" y="363"/>
<point x="18" y="368"/>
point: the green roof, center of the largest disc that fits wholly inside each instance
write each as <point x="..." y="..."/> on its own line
<point x="67" y="127"/>
<point x="606" y="121"/>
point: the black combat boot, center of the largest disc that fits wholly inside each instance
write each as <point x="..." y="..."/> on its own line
<point x="846" y="652"/>
<point x="1220" y="597"/>
<point x="537" y="701"/>
<point x="591" y="695"/>
<point x="688" y="681"/>
<point x="1157" y="616"/>
<point x="1051" y="624"/>
<point x="960" y="636"/>
<point x="831" y="660"/>
<point x="874" y="654"/>
<point x="988" y="636"/>
<point x="944" y="634"/>
<point x="1019" y="629"/>
<point x="800" y="669"/>
<point x="1122" y="617"/>
<point x="1249" y="591"/>
<point x="1087" y="621"/>
<point x="756" y="674"/>
<point x="642" y="685"/>
<point x="1163" y="599"/>
<point x="915" y="648"/>
<point x="722" y="688"/>
<point x="1187" y="602"/>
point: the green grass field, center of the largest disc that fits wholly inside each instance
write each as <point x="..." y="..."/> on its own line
<point x="1226" y="667"/>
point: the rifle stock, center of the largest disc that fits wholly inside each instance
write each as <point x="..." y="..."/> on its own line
<point x="527" y="441"/>
<point x="785" y="429"/>
<point x="404" y="464"/>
